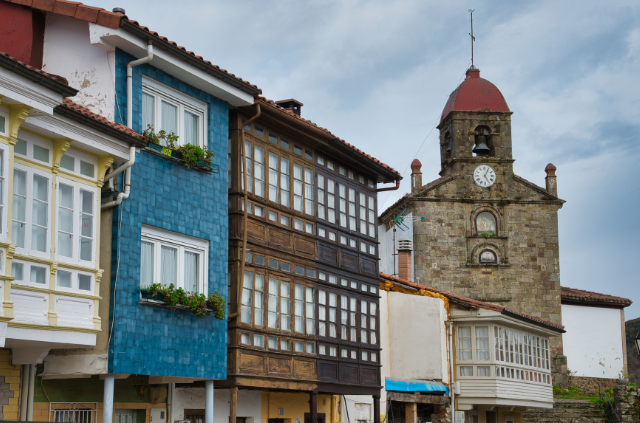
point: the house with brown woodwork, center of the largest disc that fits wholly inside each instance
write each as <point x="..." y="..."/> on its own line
<point x="303" y="267"/>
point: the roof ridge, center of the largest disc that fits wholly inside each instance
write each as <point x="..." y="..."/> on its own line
<point x="592" y="296"/>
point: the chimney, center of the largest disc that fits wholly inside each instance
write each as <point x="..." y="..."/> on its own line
<point x="291" y="105"/>
<point x="416" y="176"/>
<point x="552" y="185"/>
<point x="404" y="259"/>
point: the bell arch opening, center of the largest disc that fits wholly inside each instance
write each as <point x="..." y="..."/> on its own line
<point x="483" y="145"/>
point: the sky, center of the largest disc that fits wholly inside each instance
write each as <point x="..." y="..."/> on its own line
<point x="378" y="74"/>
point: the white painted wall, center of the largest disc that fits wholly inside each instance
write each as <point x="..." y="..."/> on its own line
<point x="593" y="342"/>
<point x="418" y="322"/>
<point x="68" y="52"/>
<point x="249" y="403"/>
<point x="387" y="249"/>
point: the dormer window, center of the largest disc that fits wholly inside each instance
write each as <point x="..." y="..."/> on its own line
<point x="164" y="108"/>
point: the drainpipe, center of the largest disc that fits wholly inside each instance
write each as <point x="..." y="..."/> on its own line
<point x="132" y="150"/>
<point x="25" y="392"/>
<point x="390" y="188"/>
<point x="32" y="380"/>
<point x="451" y="372"/>
<point x="246" y="209"/>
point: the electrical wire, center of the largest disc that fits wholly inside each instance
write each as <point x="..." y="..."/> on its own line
<point x="115" y="283"/>
<point x="421" y="145"/>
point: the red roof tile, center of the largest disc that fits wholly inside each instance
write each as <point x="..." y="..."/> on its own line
<point x="272" y="104"/>
<point x="473" y="94"/>
<point x="88" y="113"/>
<point x="110" y="20"/>
<point x="471" y="302"/>
<point x="76" y="10"/>
<point x="572" y="295"/>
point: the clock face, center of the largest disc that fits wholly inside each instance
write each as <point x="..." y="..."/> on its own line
<point x="484" y="176"/>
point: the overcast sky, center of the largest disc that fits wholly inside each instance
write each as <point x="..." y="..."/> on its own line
<point x="378" y="74"/>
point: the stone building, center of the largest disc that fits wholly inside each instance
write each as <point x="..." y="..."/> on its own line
<point x="480" y="230"/>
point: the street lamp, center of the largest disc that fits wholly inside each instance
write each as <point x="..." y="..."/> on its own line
<point x="637" y="339"/>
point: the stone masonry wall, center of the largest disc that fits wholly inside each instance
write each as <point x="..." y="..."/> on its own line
<point x="589" y="385"/>
<point x="627" y="400"/>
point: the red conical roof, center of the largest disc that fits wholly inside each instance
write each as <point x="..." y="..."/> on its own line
<point x="475" y="94"/>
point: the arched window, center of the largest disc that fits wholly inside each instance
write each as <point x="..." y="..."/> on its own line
<point x="486" y="224"/>
<point x="487" y="257"/>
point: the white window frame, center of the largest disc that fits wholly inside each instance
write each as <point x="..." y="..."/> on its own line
<point x="28" y="220"/>
<point x="26" y="273"/>
<point x="75" y="281"/>
<point x="32" y="139"/>
<point x="183" y="102"/>
<point x="80" y="156"/>
<point x="4" y="214"/>
<point x="77" y="221"/>
<point x="4" y="112"/>
<point x="183" y="243"/>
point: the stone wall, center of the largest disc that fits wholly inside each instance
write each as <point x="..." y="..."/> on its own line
<point x="627" y="400"/>
<point x="589" y="385"/>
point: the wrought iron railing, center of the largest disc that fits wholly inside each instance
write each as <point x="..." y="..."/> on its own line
<point x="609" y="409"/>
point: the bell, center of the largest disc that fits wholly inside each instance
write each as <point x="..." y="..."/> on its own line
<point x="449" y="147"/>
<point x="481" y="147"/>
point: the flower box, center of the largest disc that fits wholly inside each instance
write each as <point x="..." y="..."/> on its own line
<point x="148" y="295"/>
<point x="165" y="150"/>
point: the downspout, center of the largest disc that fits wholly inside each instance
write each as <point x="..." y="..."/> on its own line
<point x="451" y="372"/>
<point x="25" y="392"/>
<point x="243" y="162"/>
<point x="390" y="188"/>
<point x="32" y="380"/>
<point x="132" y="150"/>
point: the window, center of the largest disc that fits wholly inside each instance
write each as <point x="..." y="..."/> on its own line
<point x="486" y="223"/>
<point x="3" y="190"/>
<point x="466" y="370"/>
<point x="172" y="258"/>
<point x="68" y="279"/>
<point x="279" y="309"/>
<point x="367" y="215"/>
<point x="327" y="312"/>
<point x="255" y="165"/>
<point x="484" y="371"/>
<point x="482" y="343"/>
<point x="279" y="179"/>
<point x="164" y="108"/>
<point x="28" y="272"/>
<point x="253" y="299"/>
<point x="76" y="223"/>
<point x="33" y="147"/>
<point x="30" y="220"/>
<point x="303" y="189"/>
<point x="464" y="343"/>
<point x="78" y="163"/>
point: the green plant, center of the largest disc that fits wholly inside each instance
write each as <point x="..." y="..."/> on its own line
<point x="169" y="138"/>
<point x="217" y="304"/>
<point x="571" y="373"/>
<point x="488" y="234"/>
<point x="192" y="155"/>
<point x="197" y="303"/>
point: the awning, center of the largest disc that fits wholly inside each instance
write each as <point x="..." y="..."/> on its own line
<point x="415" y="385"/>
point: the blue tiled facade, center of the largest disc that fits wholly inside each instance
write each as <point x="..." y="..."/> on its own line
<point x="165" y="194"/>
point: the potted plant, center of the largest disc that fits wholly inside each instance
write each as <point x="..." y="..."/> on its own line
<point x="622" y="379"/>
<point x="194" y="156"/>
<point x="217" y="304"/>
<point x="162" y="141"/>
<point x="153" y="292"/>
<point x="178" y="298"/>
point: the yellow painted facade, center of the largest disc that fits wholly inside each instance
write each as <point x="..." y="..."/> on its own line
<point x="41" y="410"/>
<point x="57" y="148"/>
<point x="11" y="376"/>
<point x="293" y="406"/>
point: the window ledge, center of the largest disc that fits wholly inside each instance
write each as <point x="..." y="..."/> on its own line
<point x="175" y="158"/>
<point x="488" y="265"/>
<point x="155" y="303"/>
<point x="487" y="238"/>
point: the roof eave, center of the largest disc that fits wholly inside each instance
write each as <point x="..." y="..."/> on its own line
<point x="37" y="77"/>
<point x="517" y="316"/>
<point x="189" y="58"/>
<point x="92" y="123"/>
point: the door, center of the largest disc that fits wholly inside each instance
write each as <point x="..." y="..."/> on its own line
<point x="492" y="417"/>
<point x="125" y="416"/>
<point x="158" y="415"/>
<point x="307" y="418"/>
<point x="509" y="419"/>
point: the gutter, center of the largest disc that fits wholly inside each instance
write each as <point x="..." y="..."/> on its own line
<point x="189" y="58"/>
<point x="535" y="322"/>
<point x="35" y="76"/>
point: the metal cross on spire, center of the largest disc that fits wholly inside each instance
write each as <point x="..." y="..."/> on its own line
<point x="472" y="37"/>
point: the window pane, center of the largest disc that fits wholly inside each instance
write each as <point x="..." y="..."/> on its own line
<point x="466" y="370"/>
<point x="17" y="271"/>
<point x="65" y="221"/>
<point x="40" y="213"/>
<point x="68" y="162"/>
<point x="191" y="271"/>
<point x="148" y="111"/>
<point x="38" y="274"/>
<point x="191" y="128"/>
<point x="146" y="264"/>
<point x="87" y="169"/>
<point x="20" y="147"/>
<point x="41" y="153"/>
<point x="64" y="279"/>
<point x="169" y="270"/>
<point x="84" y="282"/>
<point x="169" y="118"/>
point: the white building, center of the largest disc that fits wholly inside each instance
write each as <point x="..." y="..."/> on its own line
<point x="595" y="342"/>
